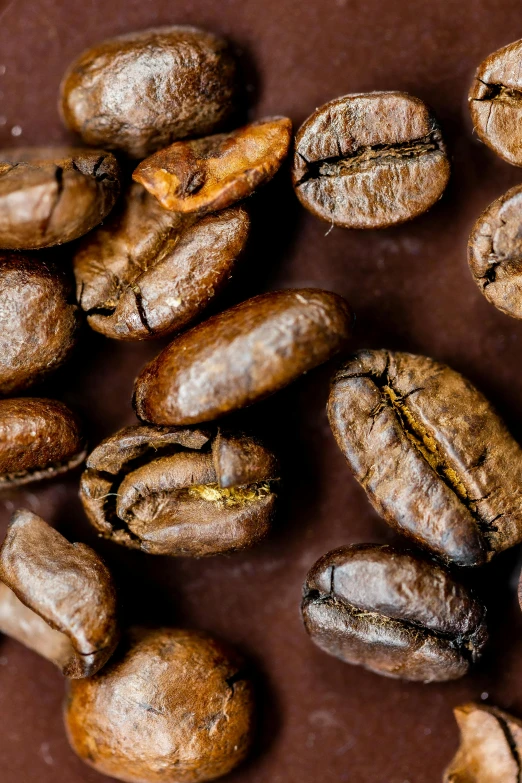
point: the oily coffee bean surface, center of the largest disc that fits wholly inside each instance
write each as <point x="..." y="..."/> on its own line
<point x="495" y="252"/>
<point x="148" y="272"/>
<point x="52" y="195"/>
<point x="393" y="613"/>
<point x="39" y="319"/>
<point x="172" y="491"/>
<point x="214" y="172"/>
<point x="495" y="102"/>
<point x="39" y="439"/>
<point x="140" y="92"/>
<point x="490" y="748"/>
<point x="173" y="706"/>
<point x="242" y="355"/>
<point x="370" y="160"/>
<point x="56" y="598"/>
<point x="434" y="457"/>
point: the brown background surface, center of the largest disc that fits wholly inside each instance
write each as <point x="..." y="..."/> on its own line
<point x="411" y="289"/>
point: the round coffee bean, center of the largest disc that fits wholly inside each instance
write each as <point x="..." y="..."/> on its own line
<point x="49" y="196"/>
<point x="495" y="102"/>
<point x="173" y="706"/>
<point x="495" y="252"/>
<point x="370" y="160"/>
<point x="39" y="320"/>
<point x="180" y="492"/>
<point x="393" y="613"/>
<point x="435" y="459"/>
<point x="141" y="91"/>
<point x="38" y="439"/>
<point x="56" y="598"/>
<point x="214" y="172"/>
<point x="242" y="355"/>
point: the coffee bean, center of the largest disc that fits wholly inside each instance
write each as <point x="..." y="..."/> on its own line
<point x="435" y="459"/>
<point x="141" y="91"/>
<point x="370" y="160"/>
<point x="39" y="439"/>
<point x="495" y="102"/>
<point x="495" y="252"/>
<point x="39" y="319"/>
<point x="393" y="613"/>
<point x="49" y="196"/>
<point x="148" y="272"/>
<point x="242" y="355"/>
<point x="173" y="706"/>
<point x="180" y="492"/>
<point x="490" y="747"/>
<point x="214" y="172"/>
<point x="57" y="598"/>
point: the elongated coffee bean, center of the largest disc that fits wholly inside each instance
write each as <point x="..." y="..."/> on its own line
<point x="242" y="355"/>
<point x="495" y="102"/>
<point x="393" y="613"/>
<point x="435" y="459"/>
<point x="370" y="160"/>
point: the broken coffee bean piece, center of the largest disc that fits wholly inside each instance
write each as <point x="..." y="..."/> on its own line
<point x="57" y="598"/>
<point x="141" y="91"/>
<point x="242" y="355"/>
<point x="172" y="491"/>
<point x="148" y="272"/>
<point x="495" y="102"/>
<point x="393" y="613"/>
<point x="49" y="195"/>
<point x="39" y="439"/>
<point x="370" y="160"/>
<point x="434" y="457"/>
<point x="490" y="747"/>
<point x="213" y="173"/>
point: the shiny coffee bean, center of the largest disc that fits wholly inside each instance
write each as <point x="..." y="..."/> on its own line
<point x="370" y="160"/>
<point x="393" y="613"/>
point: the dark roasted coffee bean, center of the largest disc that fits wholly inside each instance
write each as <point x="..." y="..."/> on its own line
<point x="435" y="459"/>
<point x="172" y="707"/>
<point x="39" y="320"/>
<point x="141" y="91"/>
<point x="180" y="492"/>
<point x="490" y="747"/>
<point x="214" y="172"/>
<point x="370" y="160"/>
<point x="393" y="613"/>
<point x="242" y="355"/>
<point x="495" y="252"/>
<point x="38" y="439"/>
<point x="495" y="102"/>
<point x="57" y="598"/>
<point x="148" y="272"/>
<point x="53" y="195"/>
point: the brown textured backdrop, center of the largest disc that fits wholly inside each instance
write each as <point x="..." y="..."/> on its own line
<point x="411" y="289"/>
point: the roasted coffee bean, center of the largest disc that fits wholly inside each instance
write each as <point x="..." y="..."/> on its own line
<point x="173" y="706"/>
<point x="495" y="252"/>
<point x="495" y="102"/>
<point x="393" y="613"/>
<point x="370" y="160"/>
<point x="173" y="491"/>
<point x="490" y="748"/>
<point x="214" y="172"/>
<point x="148" y="272"/>
<point x="141" y="91"/>
<point x="242" y="355"/>
<point x="39" y="439"/>
<point x="39" y="320"/>
<point x="435" y="459"/>
<point x="53" y="195"/>
<point x="57" y="598"/>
